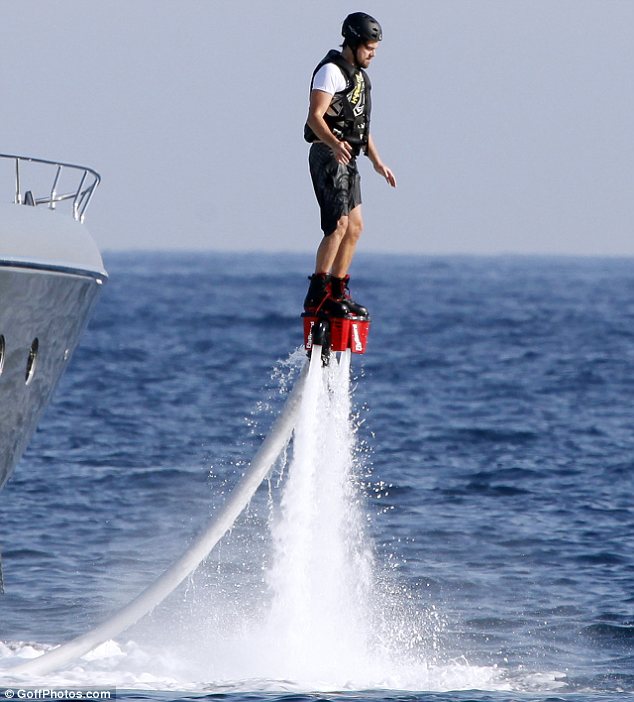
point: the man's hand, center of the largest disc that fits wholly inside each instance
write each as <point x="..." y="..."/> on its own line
<point x="342" y="152"/>
<point x="386" y="172"/>
<point x="379" y="166"/>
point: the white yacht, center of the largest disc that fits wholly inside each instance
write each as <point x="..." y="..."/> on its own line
<point x="50" y="275"/>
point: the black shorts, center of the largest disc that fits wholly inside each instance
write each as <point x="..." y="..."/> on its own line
<point x="337" y="187"/>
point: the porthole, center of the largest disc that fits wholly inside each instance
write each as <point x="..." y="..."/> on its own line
<point x="2" y="349"/>
<point x="31" y="360"/>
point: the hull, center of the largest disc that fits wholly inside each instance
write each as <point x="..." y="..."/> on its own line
<point x="51" y="273"/>
<point x="42" y="316"/>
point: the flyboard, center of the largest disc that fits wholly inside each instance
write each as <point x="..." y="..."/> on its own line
<point x="334" y="333"/>
<point x="322" y="335"/>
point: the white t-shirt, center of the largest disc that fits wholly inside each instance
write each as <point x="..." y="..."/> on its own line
<point x="329" y="79"/>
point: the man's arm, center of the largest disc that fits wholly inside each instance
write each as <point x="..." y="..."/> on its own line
<point x="319" y="103"/>
<point x="379" y="166"/>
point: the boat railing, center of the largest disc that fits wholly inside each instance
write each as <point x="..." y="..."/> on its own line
<point x="41" y="182"/>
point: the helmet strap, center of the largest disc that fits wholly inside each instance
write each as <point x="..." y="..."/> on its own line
<point x="354" y="53"/>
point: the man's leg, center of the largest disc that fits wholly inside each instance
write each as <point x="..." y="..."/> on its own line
<point x="329" y="247"/>
<point x="319" y="292"/>
<point x="341" y="264"/>
<point x="338" y="194"/>
<point x="348" y="243"/>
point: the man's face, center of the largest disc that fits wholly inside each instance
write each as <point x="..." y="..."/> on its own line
<point x="365" y="53"/>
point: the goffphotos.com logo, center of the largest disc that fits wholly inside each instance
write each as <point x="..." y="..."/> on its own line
<point x="44" y="694"/>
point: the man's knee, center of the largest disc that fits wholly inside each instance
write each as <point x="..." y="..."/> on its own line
<point x="342" y="227"/>
<point x="354" y="227"/>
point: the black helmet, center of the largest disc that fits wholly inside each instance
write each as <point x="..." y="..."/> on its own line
<point x="359" y="28"/>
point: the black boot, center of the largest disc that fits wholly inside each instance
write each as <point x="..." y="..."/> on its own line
<point x="319" y="299"/>
<point x="341" y="293"/>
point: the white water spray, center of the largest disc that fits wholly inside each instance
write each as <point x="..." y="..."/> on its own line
<point x="321" y="577"/>
<point x="326" y="624"/>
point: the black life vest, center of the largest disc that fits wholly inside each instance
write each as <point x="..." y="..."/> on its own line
<point x="348" y="116"/>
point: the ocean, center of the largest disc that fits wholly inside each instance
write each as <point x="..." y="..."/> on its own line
<point x="453" y="520"/>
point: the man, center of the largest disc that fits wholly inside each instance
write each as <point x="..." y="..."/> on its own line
<point x="338" y="127"/>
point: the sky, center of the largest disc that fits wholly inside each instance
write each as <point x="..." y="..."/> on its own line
<point x="508" y="123"/>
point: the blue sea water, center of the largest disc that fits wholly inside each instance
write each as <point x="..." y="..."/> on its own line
<point x="494" y="455"/>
